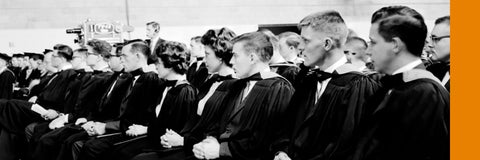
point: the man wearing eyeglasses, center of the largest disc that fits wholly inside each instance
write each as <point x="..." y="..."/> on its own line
<point x="440" y="37"/>
<point x="97" y="49"/>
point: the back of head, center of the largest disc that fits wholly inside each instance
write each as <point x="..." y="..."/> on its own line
<point x="258" y="43"/>
<point x="174" y="56"/>
<point x="330" y="23"/>
<point x="355" y="48"/>
<point x="139" y="47"/>
<point x="65" y="51"/>
<point x="411" y="31"/>
<point x="291" y="38"/>
<point x="220" y="41"/>
<point x="359" y="40"/>
<point x="389" y="11"/>
<point x="101" y="47"/>
<point x="82" y="52"/>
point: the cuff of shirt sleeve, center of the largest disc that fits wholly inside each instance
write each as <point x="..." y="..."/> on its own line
<point x="225" y="150"/>
<point x="65" y="119"/>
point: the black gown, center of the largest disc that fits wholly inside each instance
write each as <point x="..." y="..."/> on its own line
<point x="411" y="120"/>
<point x="24" y="81"/>
<point x="179" y="106"/>
<point x="195" y="129"/>
<point x="7" y="79"/>
<point x="326" y="129"/>
<point x="286" y="69"/>
<point x="197" y="77"/>
<point x="106" y="109"/>
<point x="35" y="131"/>
<point x="139" y="101"/>
<point x="248" y="127"/>
<point x="89" y="86"/>
<point x="439" y="70"/>
<point x="15" y="115"/>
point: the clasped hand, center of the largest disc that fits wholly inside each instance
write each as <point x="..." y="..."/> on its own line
<point x="171" y="139"/>
<point x="209" y="148"/>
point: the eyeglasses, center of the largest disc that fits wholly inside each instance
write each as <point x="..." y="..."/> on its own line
<point x="110" y="56"/>
<point x="348" y="52"/>
<point x="436" y="39"/>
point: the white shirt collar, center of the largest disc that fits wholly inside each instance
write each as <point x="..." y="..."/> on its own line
<point x="65" y="67"/>
<point x="408" y="66"/>
<point x="337" y="64"/>
<point x="2" y="69"/>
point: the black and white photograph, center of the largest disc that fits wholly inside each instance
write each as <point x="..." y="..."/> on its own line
<point x="225" y="79"/>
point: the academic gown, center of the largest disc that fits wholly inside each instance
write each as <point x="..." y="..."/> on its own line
<point x="247" y="127"/>
<point x="74" y="88"/>
<point x="25" y="81"/>
<point x="139" y="101"/>
<point x="102" y="106"/>
<point x="39" y="87"/>
<point x="195" y="129"/>
<point x="179" y="106"/>
<point x="411" y="120"/>
<point x="439" y="70"/>
<point x="17" y="114"/>
<point x="326" y="129"/>
<point x="7" y="79"/>
<point x="197" y="77"/>
<point x="286" y="69"/>
<point x="90" y="89"/>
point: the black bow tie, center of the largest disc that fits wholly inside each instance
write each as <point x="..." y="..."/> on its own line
<point x="219" y="78"/>
<point x="137" y="72"/>
<point x="320" y="75"/>
<point x="170" y="83"/>
<point x="390" y="81"/>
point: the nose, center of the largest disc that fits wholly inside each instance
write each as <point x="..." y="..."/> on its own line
<point x="232" y="61"/>
<point x="368" y="51"/>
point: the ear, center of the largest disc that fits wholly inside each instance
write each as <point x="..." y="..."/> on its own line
<point x="398" y="45"/>
<point x="328" y="44"/>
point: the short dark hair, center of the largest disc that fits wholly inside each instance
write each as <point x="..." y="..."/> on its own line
<point x="444" y="19"/>
<point x="155" y="25"/>
<point x="272" y="38"/>
<point x="411" y="31"/>
<point x="328" y="22"/>
<point x="220" y="40"/>
<point x="139" y="47"/>
<point x="82" y="51"/>
<point x="257" y="42"/>
<point x="173" y="56"/>
<point x="291" y="38"/>
<point x="55" y="47"/>
<point x="65" y="51"/>
<point x="358" y="39"/>
<point x="388" y="11"/>
<point x="100" y="47"/>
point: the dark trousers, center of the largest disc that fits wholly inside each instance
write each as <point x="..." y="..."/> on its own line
<point x="58" y="143"/>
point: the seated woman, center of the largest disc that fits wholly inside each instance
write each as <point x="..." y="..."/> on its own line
<point x="218" y="52"/>
<point x="176" y="105"/>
